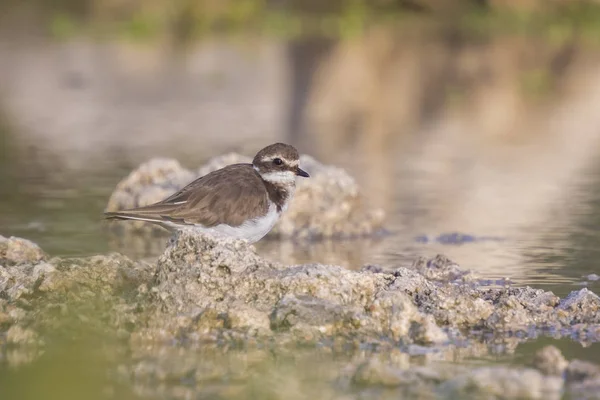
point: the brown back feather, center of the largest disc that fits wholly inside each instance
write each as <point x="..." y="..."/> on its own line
<point x="227" y="196"/>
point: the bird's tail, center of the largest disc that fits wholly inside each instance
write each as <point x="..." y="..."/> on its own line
<point x="123" y="215"/>
<point x="152" y="213"/>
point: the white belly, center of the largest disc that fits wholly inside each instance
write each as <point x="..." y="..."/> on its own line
<point x="251" y="230"/>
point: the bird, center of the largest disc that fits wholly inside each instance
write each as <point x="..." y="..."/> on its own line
<point x="242" y="201"/>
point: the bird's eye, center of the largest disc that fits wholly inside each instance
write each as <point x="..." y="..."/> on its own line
<point x="277" y="161"/>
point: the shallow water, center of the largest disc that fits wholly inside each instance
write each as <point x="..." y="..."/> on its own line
<point x="503" y="187"/>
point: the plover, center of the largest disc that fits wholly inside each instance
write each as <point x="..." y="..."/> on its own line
<point x="243" y="201"/>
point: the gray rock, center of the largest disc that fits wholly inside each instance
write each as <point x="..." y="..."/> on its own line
<point x="519" y="308"/>
<point x="17" y="251"/>
<point x="200" y="273"/>
<point x="584" y="303"/>
<point x="303" y="314"/>
<point x="396" y="314"/>
<point x="327" y="205"/>
<point x="52" y="294"/>
<point x="93" y="276"/>
<point x="441" y="269"/>
<point x="204" y="287"/>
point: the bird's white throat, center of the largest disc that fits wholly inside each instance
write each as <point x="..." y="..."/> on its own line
<point x="281" y="177"/>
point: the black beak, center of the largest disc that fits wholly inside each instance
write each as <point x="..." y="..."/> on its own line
<point x="303" y="173"/>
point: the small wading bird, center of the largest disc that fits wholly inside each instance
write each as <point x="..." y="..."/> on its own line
<point x="243" y="201"/>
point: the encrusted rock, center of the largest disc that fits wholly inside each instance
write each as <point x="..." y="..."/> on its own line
<point x="308" y="314"/>
<point x="199" y="272"/>
<point x="398" y="318"/>
<point x="585" y="302"/>
<point x="92" y="276"/>
<point x="43" y="296"/>
<point x="205" y="287"/>
<point x="441" y="269"/>
<point x="16" y="251"/>
<point x="326" y="205"/>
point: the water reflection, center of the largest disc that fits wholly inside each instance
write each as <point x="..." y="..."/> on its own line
<point x="76" y="369"/>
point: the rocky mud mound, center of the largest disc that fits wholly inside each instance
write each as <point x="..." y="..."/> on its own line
<point x="326" y="205"/>
<point x="222" y="284"/>
<point x="206" y="291"/>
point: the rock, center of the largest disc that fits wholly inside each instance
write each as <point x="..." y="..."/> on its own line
<point x="518" y="308"/>
<point x="17" y="251"/>
<point x="395" y="312"/>
<point x="80" y="292"/>
<point x="219" y="289"/>
<point x="327" y="205"/>
<point x="200" y="272"/>
<point x="93" y="276"/>
<point x="503" y="383"/>
<point x="17" y="282"/>
<point x="460" y="306"/>
<point x="584" y="303"/>
<point x="441" y="269"/>
<point x="308" y="315"/>
<point x="197" y="271"/>
<point x="250" y="320"/>
<point x="42" y="270"/>
<point x="550" y="361"/>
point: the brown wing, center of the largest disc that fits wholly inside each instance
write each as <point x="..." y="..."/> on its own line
<point x="229" y="195"/>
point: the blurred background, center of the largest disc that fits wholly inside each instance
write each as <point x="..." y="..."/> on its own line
<point x="476" y="117"/>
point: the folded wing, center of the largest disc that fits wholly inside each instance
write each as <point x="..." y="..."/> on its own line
<point x="229" y="196"/>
